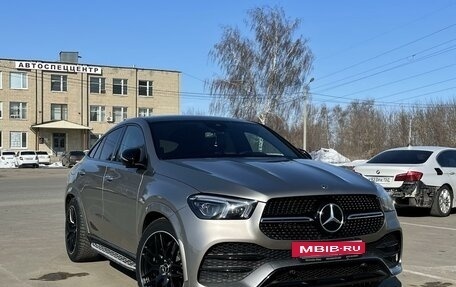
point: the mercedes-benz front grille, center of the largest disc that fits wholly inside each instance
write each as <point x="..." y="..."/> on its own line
<point x="296" y="218"/>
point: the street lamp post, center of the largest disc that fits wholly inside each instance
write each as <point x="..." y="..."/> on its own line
<point x="304" y="121"/>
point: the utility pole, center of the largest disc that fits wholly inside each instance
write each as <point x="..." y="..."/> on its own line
<point x="304" y="120"/>
<point x="410" y="133"/>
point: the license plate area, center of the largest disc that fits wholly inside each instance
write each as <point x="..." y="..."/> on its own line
<point x="380" y="179"/>
<point x="318" y="250"/>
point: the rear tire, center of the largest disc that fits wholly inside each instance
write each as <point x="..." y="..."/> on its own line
<point x="158" y="259"/>
<point x="76" y="242"/>
<point x="443" y="202"/>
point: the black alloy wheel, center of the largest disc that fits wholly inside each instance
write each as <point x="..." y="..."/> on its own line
<point x="159" y="263"/>
<point x="76" y="241"/>
<point x="71" y="229"/>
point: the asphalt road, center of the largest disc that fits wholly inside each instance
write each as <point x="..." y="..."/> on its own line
<point x="32" y="251"/>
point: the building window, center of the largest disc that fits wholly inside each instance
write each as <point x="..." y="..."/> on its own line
<point x="18" y="139"/>
<point x="59" y="112"/>
<point x="18" y="110"/>
<point x="59" y="83"/>
<point x="97" y="113"/>
<point x="1" y="110"/>
<point x="93" y="139"/>
<point x="120" y="113"/>
<point x="145" y="112"/>
<point x="18" y="80"/>
<point x="97" y="85"/>
<point x="145" y="88"/>
<point x="1" y="80"/>
<point x="119" y="86"/>
<point x="1" y="140"/>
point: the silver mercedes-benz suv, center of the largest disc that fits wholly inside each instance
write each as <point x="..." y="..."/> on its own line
<point x="204" y="201"/>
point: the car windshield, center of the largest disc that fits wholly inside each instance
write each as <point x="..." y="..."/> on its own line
<point x="77" y="153"/>
<point x="402" y="157"/>
<point x="9" y="153"/>
<point x="28" y="153"/>
<point x="41" y="153"/>
<point x="212" y="138"/>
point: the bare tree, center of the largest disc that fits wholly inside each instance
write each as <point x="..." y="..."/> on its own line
<point x="262" y="76"/>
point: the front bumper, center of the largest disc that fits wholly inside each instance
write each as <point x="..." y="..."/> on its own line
<point x="236" y="253"/>
<point x="26" y="162"/>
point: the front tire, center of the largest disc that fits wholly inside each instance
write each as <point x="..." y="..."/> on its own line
<point x="76" y="241"/>
<point x="158" y="260"/>
<point x="443" y="202"/>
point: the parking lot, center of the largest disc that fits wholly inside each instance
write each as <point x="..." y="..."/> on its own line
<point x="32" y="249"/>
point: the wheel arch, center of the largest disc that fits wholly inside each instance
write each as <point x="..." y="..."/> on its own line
<point x="68" y="198"/>
<point x="157" y="211"/>
<point x="448" y="186"/>
<point x="151" y="217"/>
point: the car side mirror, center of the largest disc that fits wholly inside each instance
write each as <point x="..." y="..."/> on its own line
<point x="132" y="158"/>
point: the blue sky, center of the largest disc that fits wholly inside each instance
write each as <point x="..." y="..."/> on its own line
<point x="397" y="52"/>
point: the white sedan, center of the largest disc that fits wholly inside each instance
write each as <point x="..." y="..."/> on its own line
<point x="421" y="176"/>
<point x="27" y="158"/>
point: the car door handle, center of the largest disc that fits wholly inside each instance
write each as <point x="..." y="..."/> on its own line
<point x="452" y="173"/>
<point x="81" y="173"/>
<point x="109" y="178"/>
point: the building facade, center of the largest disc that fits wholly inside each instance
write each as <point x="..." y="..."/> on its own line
<point x="60" y="106"/>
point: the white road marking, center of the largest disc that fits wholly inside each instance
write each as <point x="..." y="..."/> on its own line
<point x="429" y="276"/>
<point x="11" y="203"/>
<point x="428" y="226"/>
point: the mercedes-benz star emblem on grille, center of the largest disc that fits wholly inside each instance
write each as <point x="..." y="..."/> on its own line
<point x="331" y="217"/>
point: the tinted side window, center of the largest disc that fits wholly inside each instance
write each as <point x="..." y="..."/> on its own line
<point x="97" y="150"/>
<point x="110" y="144"/>
<point x="133" y="138"/>
<point x="447" y="158"/>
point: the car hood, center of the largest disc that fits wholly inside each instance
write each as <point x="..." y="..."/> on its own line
<point x="262" y="179"/>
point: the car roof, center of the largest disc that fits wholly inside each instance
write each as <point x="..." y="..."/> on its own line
<point x="427" y="148"/>
<point x="166" y="118"/>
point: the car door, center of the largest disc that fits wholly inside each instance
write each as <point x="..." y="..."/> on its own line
<point x="90" y="183"/>
<point x="447" y="161"/>
<point x="120" y="193"/>
<point x="93" y="174"/>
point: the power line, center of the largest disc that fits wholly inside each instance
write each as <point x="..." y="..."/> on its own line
<point x="389" y="51"/>
<point x="438" y="53"/>
<point x="398" y="81"/>
<point x="418" y="88"/>
<point x="389" y="31"/>
<point x="413" y="55"/>
<point x="335" y="99"/>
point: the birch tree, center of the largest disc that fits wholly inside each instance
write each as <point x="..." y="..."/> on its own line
<point x="262" y="74"/>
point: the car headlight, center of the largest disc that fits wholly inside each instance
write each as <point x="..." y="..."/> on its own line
<point x="385" y="199"/>
<point x="217" y="207"/>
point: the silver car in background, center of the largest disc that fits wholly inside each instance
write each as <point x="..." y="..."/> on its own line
<point x="204" y="201"/>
